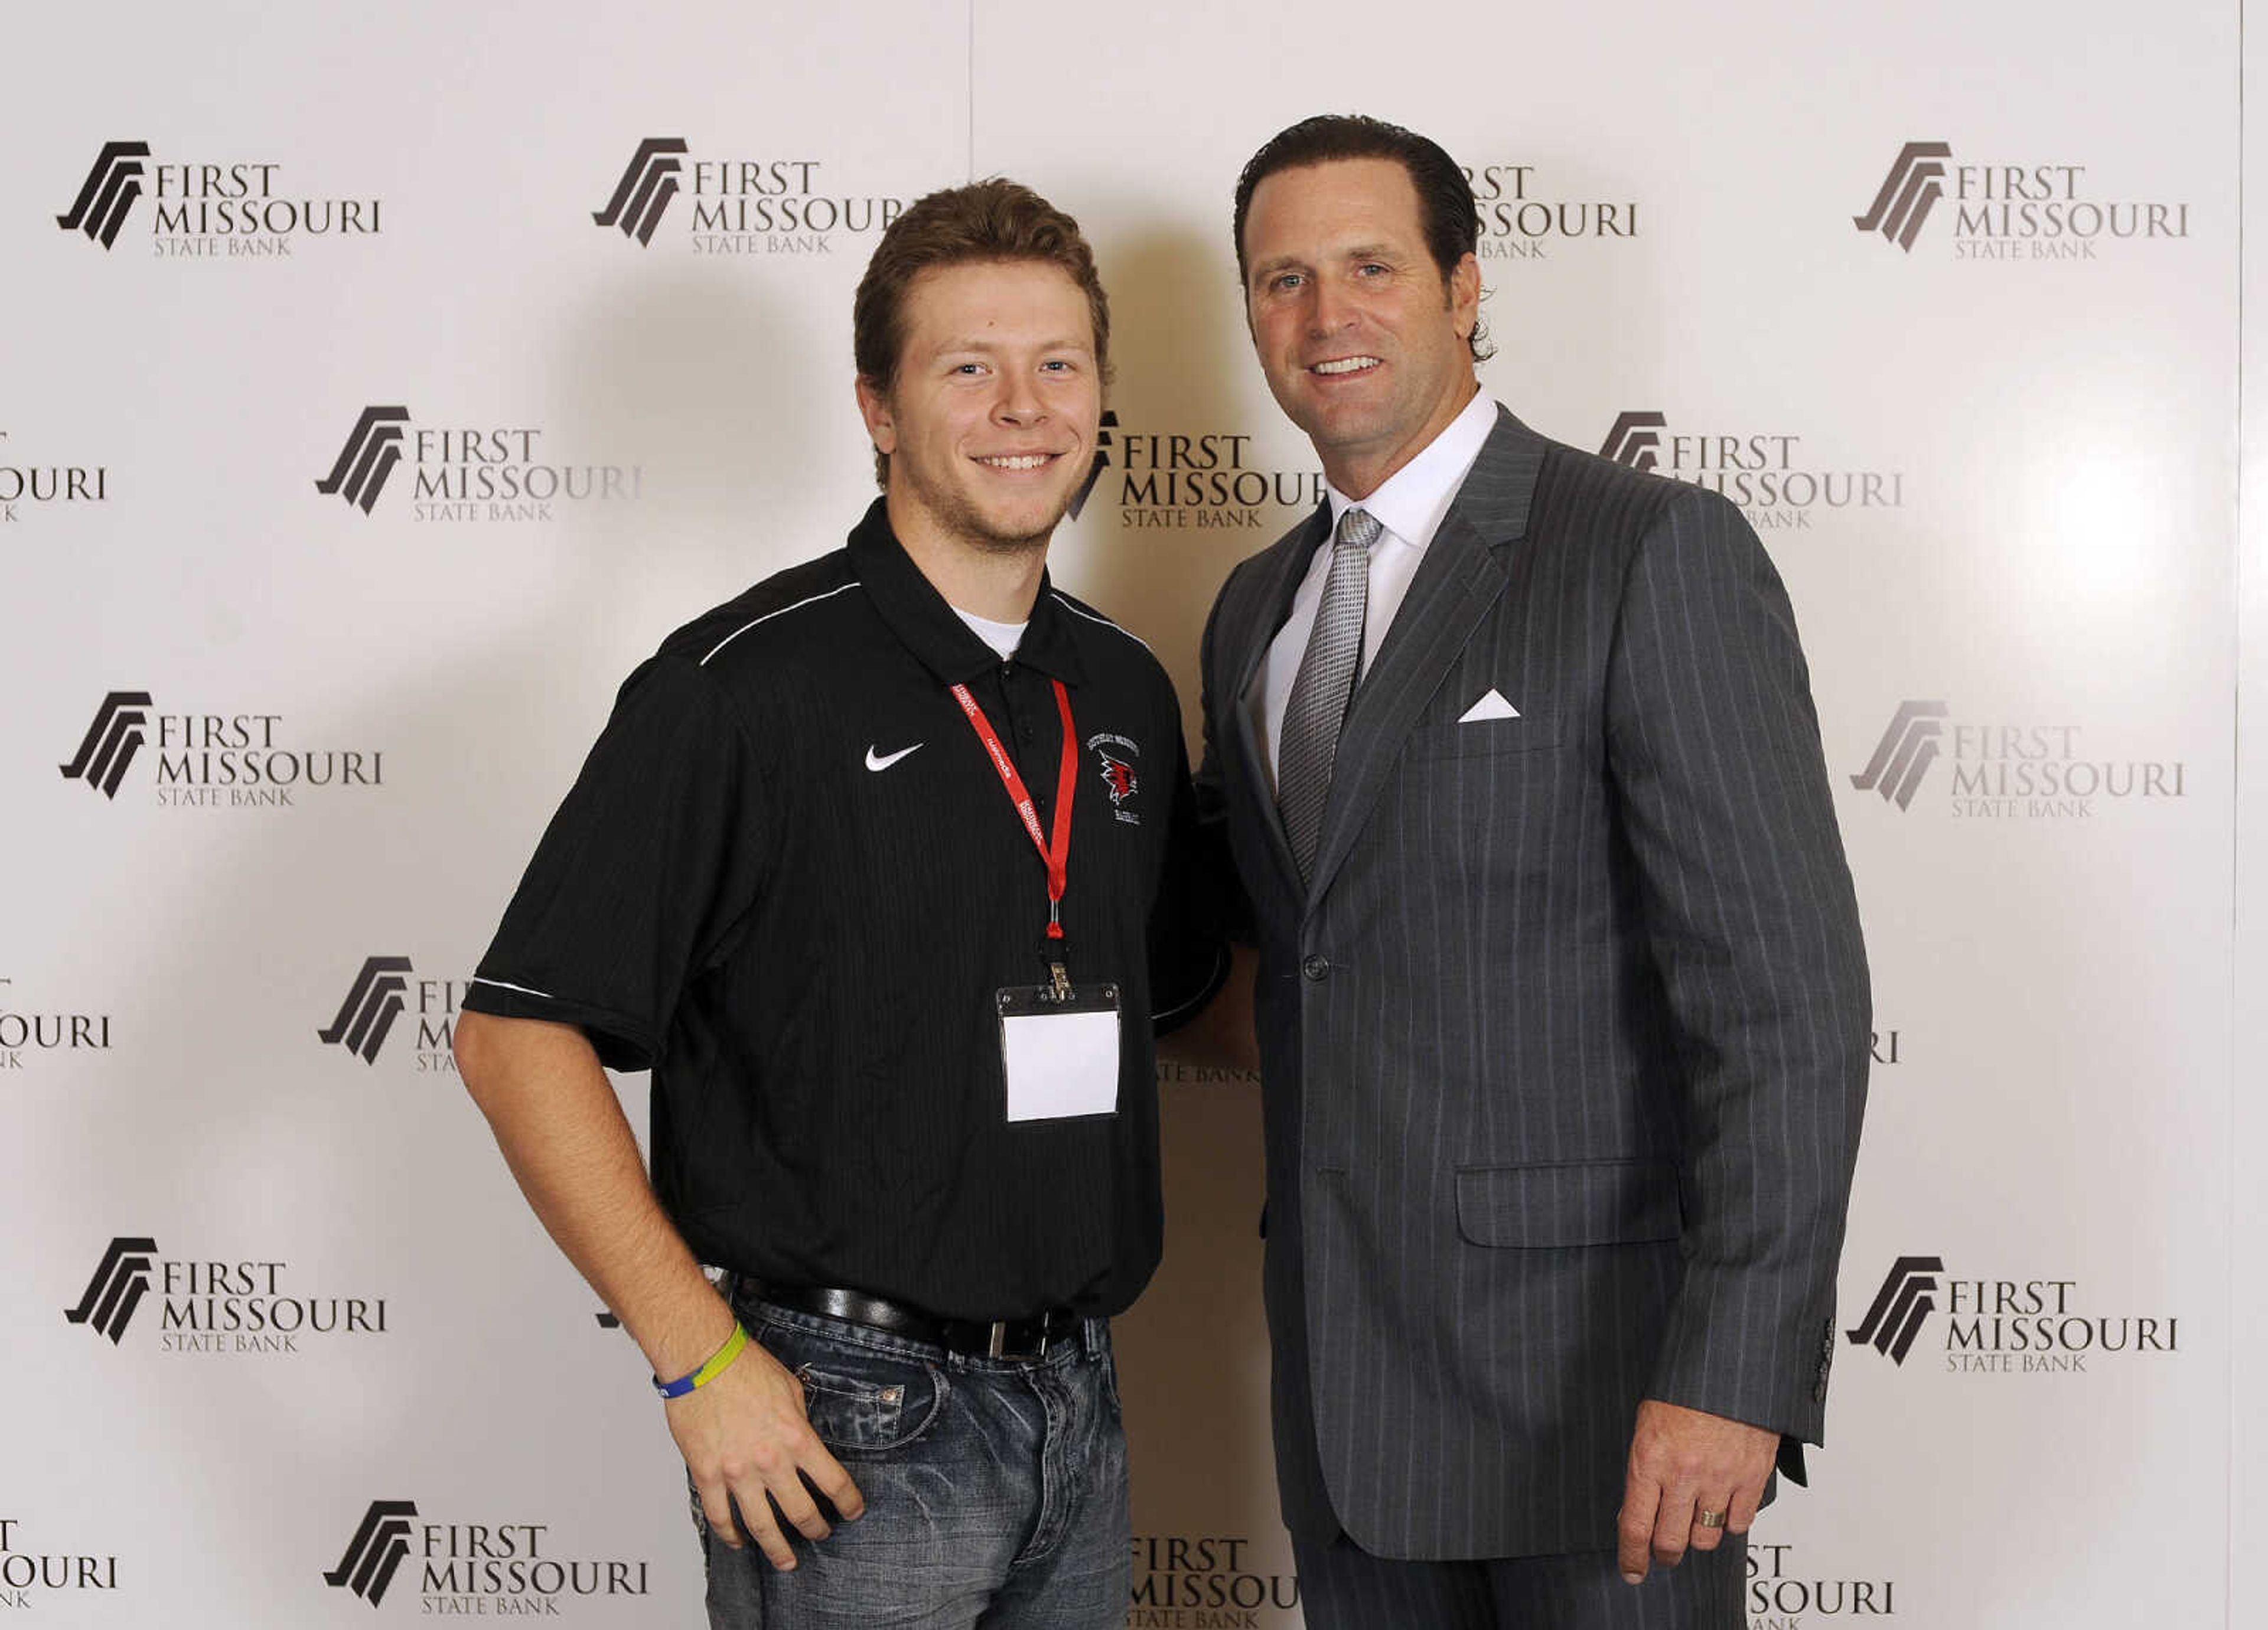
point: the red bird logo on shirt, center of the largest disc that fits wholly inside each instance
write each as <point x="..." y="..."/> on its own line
<point x="1118" y="776"/>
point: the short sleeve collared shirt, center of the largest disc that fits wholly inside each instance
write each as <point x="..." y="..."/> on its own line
<point x="790" y="881"/>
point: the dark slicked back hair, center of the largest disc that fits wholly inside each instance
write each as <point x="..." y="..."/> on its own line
<point x="1447" y="213"/>
<point x="987" y="222"/>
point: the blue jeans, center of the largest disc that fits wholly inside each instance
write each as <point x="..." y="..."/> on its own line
<point x="996" y="1488"/>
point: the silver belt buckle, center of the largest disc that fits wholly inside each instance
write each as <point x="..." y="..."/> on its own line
<point x="995" y="1341"/>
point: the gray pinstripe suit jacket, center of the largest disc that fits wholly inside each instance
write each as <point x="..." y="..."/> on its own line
<point x="1565" y="1048"/>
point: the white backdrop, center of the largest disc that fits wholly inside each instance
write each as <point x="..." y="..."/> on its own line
<point x="2002" y="487"/>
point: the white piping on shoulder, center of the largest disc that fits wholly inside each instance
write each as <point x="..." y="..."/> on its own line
<point x="505" y="985"/>
<point x="1106" y="622"/>
<point x="769" y="615"/>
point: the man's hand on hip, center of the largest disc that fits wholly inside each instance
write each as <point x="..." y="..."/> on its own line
<point x="747" y="1441"/>
<point x="1685" y="1464"/>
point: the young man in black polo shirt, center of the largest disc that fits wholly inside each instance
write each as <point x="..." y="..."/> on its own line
<point x="882" y="869"/>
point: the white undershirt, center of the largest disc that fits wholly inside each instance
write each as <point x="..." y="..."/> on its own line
<point x="1004" y="637"/>
<point x="1410" y="506"/>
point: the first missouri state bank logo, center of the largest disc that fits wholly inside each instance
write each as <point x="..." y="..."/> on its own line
<point x="43" y="1032"/>
<point x="30" y="484"/>
<point x="1222" y="1577"/>
<point x="1910" y="192"/>
<point x="483" y="472"/>
<point x="1775" y="483"/>
<point x="231" y="210"/>
<point x="1905" y="753"/>
<point x="31" y="1574"/>
<point x="646" y="187"/>
<point x="121" y="1279"/>
<point x="379" y="1546"/>
<point x="1523" y="218"/>
<point x="2001" y="1326"/>
<point x="213" y="1307"/>
<point x="385" y="990"/>
<point x="740" y="206"/>
<point x="1190" y="478"/>
<point x="1101" y="461"/>
<point x="373" y="449"/>
<point x="2008" y="771"/>
<point x="373" y="1003"/>
<point x="1907" y="1297"/>
<point x="107" y="750"/>
<point x="2010" y="211"/>
<point x="211" y="760"/>
<point x="110" y="187"/>
<point x="484" y="1569"/>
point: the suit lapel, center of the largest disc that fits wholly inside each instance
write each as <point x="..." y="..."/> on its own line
<point x="1463" y="573"/>
<point x="1274" y="592"/>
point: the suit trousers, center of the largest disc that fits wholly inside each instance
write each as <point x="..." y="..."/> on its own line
<point x="1343" y="1587"/>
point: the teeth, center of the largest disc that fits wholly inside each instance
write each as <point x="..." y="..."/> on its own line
<point x="1022" y="460"/>
<point x="1345" y="365"/>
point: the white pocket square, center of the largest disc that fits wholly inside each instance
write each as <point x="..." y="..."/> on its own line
<point x="1490" y="706"/>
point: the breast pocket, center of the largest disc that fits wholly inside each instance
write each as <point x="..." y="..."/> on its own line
<point x="1483" y="738"/>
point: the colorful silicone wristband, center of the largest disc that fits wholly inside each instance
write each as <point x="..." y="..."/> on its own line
<point x="718" y="1362"/>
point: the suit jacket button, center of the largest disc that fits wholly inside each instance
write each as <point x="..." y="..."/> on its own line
<point x="1316" y="967"/>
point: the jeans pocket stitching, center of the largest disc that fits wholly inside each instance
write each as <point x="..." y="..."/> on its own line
<point x="939" y="1388"/>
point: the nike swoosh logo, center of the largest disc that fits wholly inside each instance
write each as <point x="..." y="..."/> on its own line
<point x="883" y="761"/>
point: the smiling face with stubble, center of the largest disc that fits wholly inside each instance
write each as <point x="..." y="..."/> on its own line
<point x="990" y="424"/>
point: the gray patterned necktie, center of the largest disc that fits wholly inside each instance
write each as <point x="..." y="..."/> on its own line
<point x="1323" y="688"/>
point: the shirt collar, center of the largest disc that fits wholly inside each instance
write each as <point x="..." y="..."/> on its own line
<point x="927" y="626"/>
<point x="1413" y="502"/>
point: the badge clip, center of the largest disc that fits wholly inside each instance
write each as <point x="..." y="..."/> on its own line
<point x="1051" y="953"/>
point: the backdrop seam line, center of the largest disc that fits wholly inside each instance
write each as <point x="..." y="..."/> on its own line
<point x="2235" y="865"/>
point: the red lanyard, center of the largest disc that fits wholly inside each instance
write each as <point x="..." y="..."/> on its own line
<point x="1056" y="857"/>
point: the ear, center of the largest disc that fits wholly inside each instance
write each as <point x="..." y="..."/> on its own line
<point x="881" y="424"/>
<point x="1465" y="295"/>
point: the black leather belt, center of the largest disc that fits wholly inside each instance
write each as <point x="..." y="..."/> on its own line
<point x="1002" y="1338"/>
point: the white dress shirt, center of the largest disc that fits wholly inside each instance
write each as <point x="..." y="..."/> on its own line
<point x="1410" y="505"/>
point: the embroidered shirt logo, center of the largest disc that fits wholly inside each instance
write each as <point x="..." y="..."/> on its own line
<point x="883" y="761"/>
<point x="1118" y="773"/>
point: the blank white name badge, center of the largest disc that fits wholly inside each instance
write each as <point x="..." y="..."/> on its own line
<point x="1060" y="1056"/>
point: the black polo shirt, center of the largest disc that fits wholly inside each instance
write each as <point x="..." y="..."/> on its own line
<point x="790" y="881"/>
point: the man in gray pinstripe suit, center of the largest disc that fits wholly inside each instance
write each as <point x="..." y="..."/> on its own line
<point x="1562" y="1004"/>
